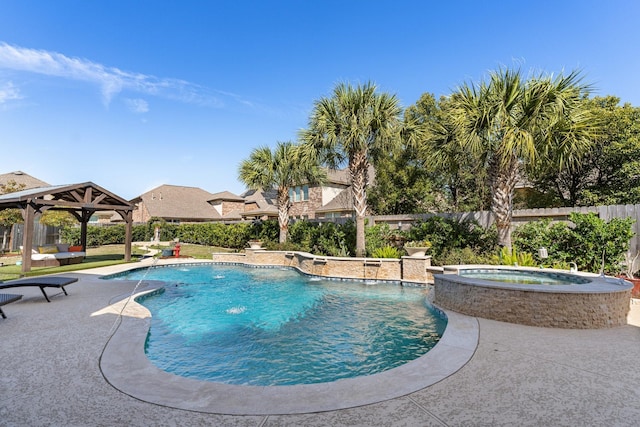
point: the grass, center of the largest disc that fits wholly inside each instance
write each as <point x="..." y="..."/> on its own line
<point x="200" y="251"/>
<point x="101" y="256"/>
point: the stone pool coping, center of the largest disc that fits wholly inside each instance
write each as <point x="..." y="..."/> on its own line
<point x="125" y="366"/>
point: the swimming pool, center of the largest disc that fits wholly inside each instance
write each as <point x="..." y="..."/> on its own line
<point x="272" y="326"/>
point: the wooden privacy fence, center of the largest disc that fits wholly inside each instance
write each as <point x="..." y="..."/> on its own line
<point x="523" y="216"/>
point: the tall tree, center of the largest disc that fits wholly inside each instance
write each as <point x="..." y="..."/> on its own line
<point x="608" y="174"/>
<point x="355" y="126"/>
<point x="279" y="169"/>
<point x="617" y="167"/>
<point x="510" y="122"/>
<point x="453" y="168"/>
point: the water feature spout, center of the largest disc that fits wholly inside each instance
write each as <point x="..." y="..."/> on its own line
<point x="573" y="267"/>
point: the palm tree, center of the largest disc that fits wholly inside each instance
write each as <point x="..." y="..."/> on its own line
<point x="355" y="125"/>
<point x="281" y="169"/>
<point x="510" y="123"/>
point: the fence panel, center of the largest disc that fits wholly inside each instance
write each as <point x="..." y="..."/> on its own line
<point x="523" y="216"/>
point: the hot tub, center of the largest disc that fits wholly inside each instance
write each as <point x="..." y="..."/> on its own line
<point x="535" y="297"/>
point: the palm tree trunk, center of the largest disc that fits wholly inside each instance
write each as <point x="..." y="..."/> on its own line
<point x="283" y="213"/>
<point x="503" y="183"/>
<point x="358" y="168"/>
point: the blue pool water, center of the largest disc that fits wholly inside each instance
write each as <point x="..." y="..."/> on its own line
<point x="262" y="326"/>
<point x="523" y="277"/>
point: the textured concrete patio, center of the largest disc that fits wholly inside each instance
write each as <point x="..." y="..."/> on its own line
<point x="518" y="375"/>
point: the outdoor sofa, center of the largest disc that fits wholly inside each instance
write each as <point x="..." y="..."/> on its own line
<point x="56" y="255"/>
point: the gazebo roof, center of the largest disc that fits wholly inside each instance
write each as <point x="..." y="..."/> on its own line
<point x="83" y="196"/>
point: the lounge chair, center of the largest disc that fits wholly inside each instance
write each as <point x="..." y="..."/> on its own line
<point x="41" y="282"/>
<point x="6" y="299"/>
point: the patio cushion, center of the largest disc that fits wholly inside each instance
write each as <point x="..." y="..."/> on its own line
<point x="62" y="247"/>
<point x="48" y="249"/>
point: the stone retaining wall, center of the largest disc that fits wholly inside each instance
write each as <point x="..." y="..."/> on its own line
<point x="407" y="269"/>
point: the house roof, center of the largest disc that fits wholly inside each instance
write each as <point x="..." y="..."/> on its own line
<point x="261" y="197"/>
<point x="265" y="201"/>
<point x="226" y="196"/>
<point x="179" y="202"/>
<point x="339" y="176"/>
<point x="341" y="203"/>
<point x="234" y="215"/>
<point x="25" y="179"/>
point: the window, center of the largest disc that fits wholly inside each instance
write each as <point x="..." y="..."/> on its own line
<point x="299" y="194"/>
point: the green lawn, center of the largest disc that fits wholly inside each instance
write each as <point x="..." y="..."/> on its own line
<point x="98" y="257"/>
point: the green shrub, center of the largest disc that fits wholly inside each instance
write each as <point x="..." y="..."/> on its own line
<point x="448" y="235"/>
<point x="456" y="256"/>
<point x="586" y="241"/>
<point x="381" y="236"/>
<point x="333" y="240"/>
<point x="324" y="238"/>
<point x="386" y="252"/>
<point x="510" y="256"/>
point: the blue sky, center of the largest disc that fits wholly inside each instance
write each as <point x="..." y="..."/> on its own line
<point x="135" y="94"/>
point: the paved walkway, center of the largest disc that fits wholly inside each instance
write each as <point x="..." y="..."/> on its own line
<point x="519" y="375"/>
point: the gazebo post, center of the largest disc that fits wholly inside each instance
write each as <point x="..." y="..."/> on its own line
<point x="83" y="229"/>
<point x="128" y="235"/>
<point x="28" y="214"/>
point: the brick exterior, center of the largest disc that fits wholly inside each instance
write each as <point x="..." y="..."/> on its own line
<point x="228" y="207"/>
<point x="140" y="213"/>
<point x="307" y="208"/>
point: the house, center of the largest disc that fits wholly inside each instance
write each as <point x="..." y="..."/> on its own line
<point x="175" y="203"/>
<point x="24" y="180"/>
<point x="260" y="204"/>
<point x="330" y="200"/>
<point x="228" y="205"/>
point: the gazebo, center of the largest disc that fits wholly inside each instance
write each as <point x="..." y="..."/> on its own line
<point x="81" y="200"/>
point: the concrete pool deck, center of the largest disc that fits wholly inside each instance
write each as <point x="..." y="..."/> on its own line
<point x="519" y="375"/>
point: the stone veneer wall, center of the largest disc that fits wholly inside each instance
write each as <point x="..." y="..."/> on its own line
<point x="576" y="310"/>
<point x="407" y="269"/>
<point x="308" y="207"/>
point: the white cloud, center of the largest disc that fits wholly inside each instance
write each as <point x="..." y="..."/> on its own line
<point x="8" y="92"/>
<point x="137" y="105"/>
<point x="111" y="80"/>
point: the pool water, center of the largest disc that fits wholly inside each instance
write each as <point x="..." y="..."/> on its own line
<point x="523" y="277"/>
<point x="267" y="326"/>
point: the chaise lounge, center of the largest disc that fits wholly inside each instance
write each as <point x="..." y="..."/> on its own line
<point x="41" y="282"/>
<point x="6" y="299"/>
